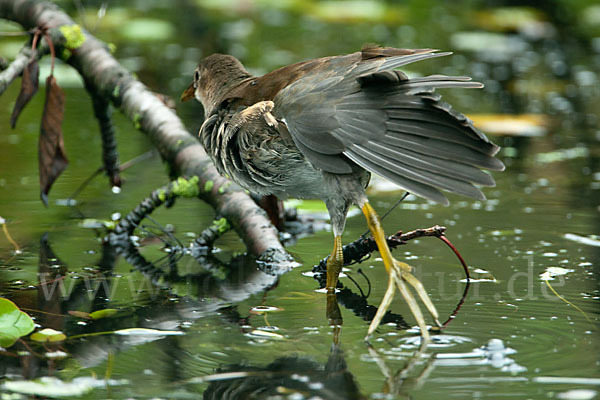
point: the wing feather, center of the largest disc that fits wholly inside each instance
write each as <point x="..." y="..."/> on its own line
<point x="391" y="125"/>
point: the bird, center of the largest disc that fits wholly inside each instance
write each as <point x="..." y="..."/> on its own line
<point x="318" y="129"/>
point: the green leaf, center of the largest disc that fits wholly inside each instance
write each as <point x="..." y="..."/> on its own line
<point x="108" y="312"/>
<point x="48" y="335"/>
<point x="14" y="323"/>
<point x="146" y="332"/>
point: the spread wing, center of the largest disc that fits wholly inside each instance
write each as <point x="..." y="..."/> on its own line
<point x="370" y="114"/>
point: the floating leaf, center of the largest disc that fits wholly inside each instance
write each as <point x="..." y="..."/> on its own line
<point x="29" y="86"/>
<point x="14" y="323"/>
<point x="56" y="355"/>
<point x="80" y="314"/>
<point x="261" y="334"/>
<point x="48" y="386"/>
<point x="490" y="46"/>
<point x="48" y="335"/>
<point x="551" y="272"/>
<point x="146" y="332"/>
<point x="51" y="150"/>
<point x="562" y="155"/>
<point x="480" y="275"/>
<point x="592" y="240"/>
<point x="263" y="309"/>
<point x="528" y="125"/>
<point x="108" y="312"/>
<point x="356" y="11"/>
<point x="509" y="19"/>
<point x="92" y="223"/>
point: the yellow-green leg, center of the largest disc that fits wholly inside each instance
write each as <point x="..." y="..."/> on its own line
<point x="334" y="264"/>
<point x="399" y="274"/>
<point x="334" y="267"/>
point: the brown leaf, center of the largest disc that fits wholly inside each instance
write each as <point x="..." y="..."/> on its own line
<point x="29" y="86"/>
<point x="80" y="314"/>
<point x="51" y="151"/>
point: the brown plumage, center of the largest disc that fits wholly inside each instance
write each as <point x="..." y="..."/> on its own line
<point x="318" y="128"/>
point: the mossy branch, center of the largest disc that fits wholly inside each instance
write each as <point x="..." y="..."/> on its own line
<point x="177" y="147"/>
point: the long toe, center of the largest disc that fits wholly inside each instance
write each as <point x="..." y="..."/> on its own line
<point x="413" y="305"/>
<point x="385" y="304"/>
<point x="420" y="289"/>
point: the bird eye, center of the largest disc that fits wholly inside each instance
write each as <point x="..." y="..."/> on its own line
<point x="196" y="76"/>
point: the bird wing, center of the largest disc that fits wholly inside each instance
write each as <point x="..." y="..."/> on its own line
<point x="375" y="116"/>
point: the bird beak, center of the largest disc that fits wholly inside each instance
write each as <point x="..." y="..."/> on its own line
<point x="188" y="93"/>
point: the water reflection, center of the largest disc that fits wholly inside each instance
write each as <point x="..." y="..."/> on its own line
<point x="540" y="60"/>
<point x="286" y="377"/>
<point x="169" y="303"/>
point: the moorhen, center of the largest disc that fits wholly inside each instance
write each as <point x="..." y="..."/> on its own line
<point x="319" y="128"/>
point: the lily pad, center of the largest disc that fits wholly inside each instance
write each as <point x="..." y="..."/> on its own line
<point x="48" y="335"/>
<point x="562" y="155"/>
<point x="92" y="223"/>
<point x="551" y="272"/>
<point x="54" y="387"/>
<point x="509" y="19"/>
<point x="108" y="312"/>
<point x="529" y="125"/>
<point x="259" y="310"/>
<point x="353" y="10"/>
<point x="146" y="332"/>
<point x="262" y="334"/>
<point x="591" y="240"/>
<point x="14" y="323"/>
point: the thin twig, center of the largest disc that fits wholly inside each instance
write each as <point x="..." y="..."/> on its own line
<point x="458" y="306"/>
<point x="462" y="261"/>
<point x="8" y="237"/>
<point x="18" y="65"/>
<point x="52" y="52"/>
<point x="122" y="167"/>
<point x="22" y="33"/>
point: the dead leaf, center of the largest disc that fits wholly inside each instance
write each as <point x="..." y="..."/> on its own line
<point x="79" y="314"/>
<point x="51" y="151"/>
<point x="29" y="87"/>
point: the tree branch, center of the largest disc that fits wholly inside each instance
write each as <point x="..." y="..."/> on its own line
<point x="110" y="155"/>
<point x="15" y="68"/>
<point x="361" y="248"/>
<point x="177" y="147"/>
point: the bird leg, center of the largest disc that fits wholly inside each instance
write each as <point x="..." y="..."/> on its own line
<point x="333" y="313"/>
<point x="399" y="274"/>
<point x="334" y="267"/>
<point x="334" y="264"/>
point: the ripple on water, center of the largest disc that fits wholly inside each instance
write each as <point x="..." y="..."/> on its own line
<point x="542" y="331"/>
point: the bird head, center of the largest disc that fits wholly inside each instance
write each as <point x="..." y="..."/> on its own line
<point x="215" y="76"/>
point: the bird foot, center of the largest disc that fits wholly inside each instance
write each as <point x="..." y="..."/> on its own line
<point x="398" y="276"/>
<point x="409" y="278"/>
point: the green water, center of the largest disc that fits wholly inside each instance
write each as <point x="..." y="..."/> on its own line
<point x="543" y="213"/>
